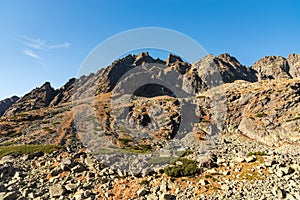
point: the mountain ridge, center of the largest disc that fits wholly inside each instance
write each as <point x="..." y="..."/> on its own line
<point x="268" y="67"/>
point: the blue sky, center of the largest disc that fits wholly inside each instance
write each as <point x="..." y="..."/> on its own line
<point x="48" y="40"/>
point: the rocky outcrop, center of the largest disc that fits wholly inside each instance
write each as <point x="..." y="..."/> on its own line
<point x="231" y="69"/>
<point x="64" y="94"/>
<point x="6" y="103"/>
<point x="294" y="63"/>
<point x="212" y="71"/>
<point x="266" y="111"/>
<point x="113" y="73"/>
<point x="36" y="99"/>
<point x="272" y="67"/>
<point x="176" y="63"/>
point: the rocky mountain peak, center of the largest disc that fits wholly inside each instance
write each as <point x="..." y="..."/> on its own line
<point x="172" y="59"/>
<point x="271" y="67"/>
<point x="143" y="58"/>
<point x="36" y="99"/>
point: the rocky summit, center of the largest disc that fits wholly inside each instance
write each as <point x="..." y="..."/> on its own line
<point x="146" y="128"/>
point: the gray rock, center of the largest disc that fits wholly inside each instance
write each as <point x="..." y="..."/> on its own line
<point x="71" y="187"/>
<point x="278" y="192"/>
<point x="56" y="190"/>
<point x="142" y="192"/>
<point x="250" y="159"/>
<point x="166" y="196"/>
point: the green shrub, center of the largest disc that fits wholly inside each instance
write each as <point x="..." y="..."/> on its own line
<point x="188" y="168"/>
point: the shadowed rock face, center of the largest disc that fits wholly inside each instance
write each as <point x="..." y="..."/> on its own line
<point x="113" y="73"/>
<point x="6" y="103"/>
<point x="153" y="90"/>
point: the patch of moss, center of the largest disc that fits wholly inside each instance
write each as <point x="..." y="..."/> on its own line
<point x="9" y="143"/>
<point x="216" y="188"/>
<point x="124" y="129"/>
<point x="107" y="133"/>
<point x="141" y="148"/>
<point x="256" y="154"/>
<point x="124" y="141"/>
<point x="144" y="183"/>
<point x="205" y="121"/>
<point x="49" y="130"/>
<point x="26" y="149"/>
<point x="261" y="114"/>
<point x="188" y="168"/>
<point x="251" y="176"/>
<point x="162" y="160"/>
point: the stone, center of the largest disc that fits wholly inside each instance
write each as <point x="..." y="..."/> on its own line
<point x="239" y="159"/>
<point x="163" y="186"/>
<point x="78" y="168"/>
<point x="56" y="190"/>
<point x="89" y="162"/>
<point x="7" y="159"/>
<point x="166" y="196"/>
<point x="278" y="192"/>
<point x="56" y="171"/>
<point x="66" y="164"/>
<point x="290" y="197"/>
<point x="270" y="163"/>
<point x="250" y="159"/>
<point x="152" y="197"/>
<point x="71" y="187"/>
<point x="221" y="161"/>
<point x="142" y="192"/>
<point x="203" y="182"/>
<point x="287" y="170"/>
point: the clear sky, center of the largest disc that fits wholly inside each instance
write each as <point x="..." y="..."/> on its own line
<point x="48" y="40"/>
